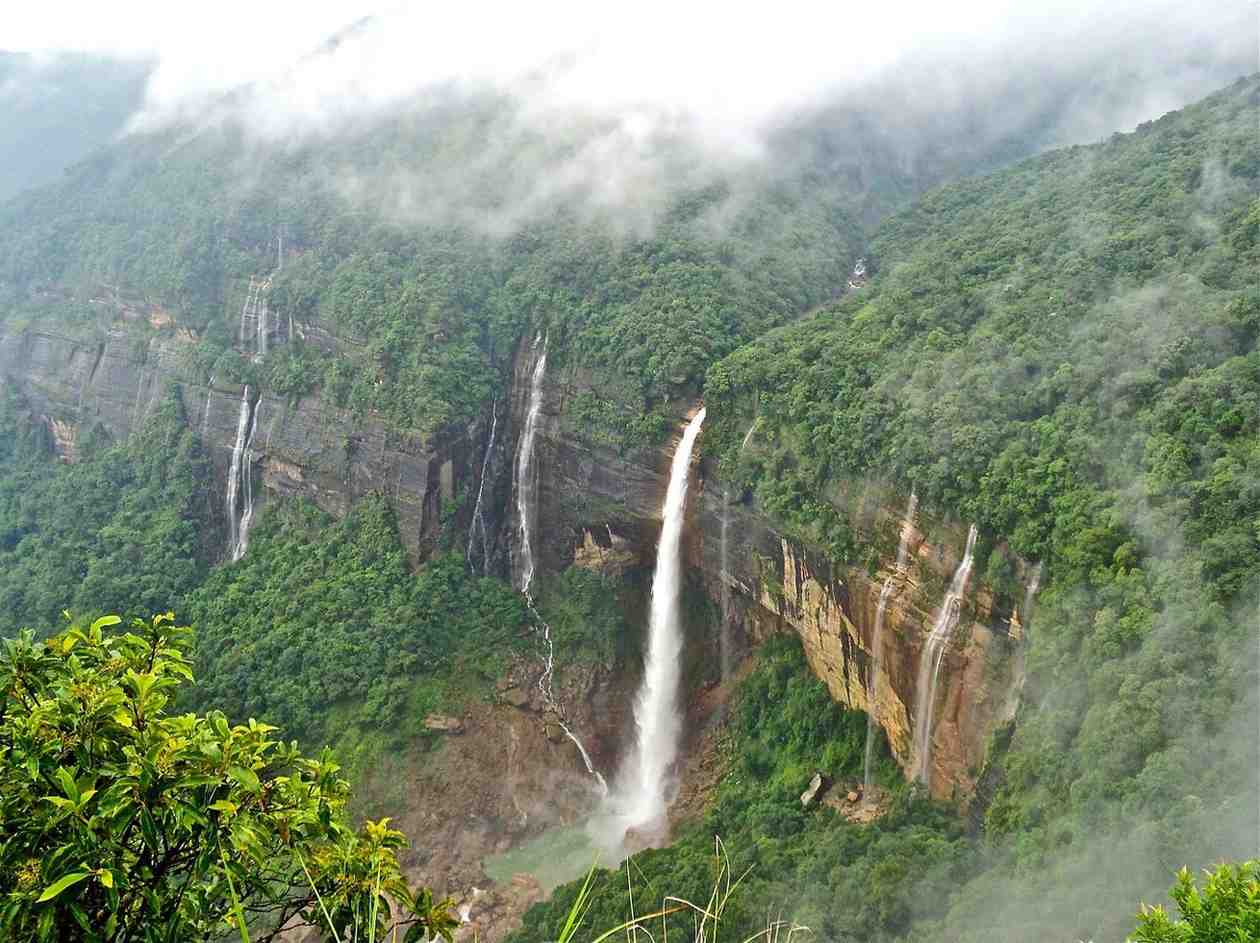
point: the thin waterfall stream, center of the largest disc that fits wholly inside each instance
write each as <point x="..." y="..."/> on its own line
<point x="526" y="492"/>
<point x="931" y="658"/>
<point x="240" y="478"/>
<point x="478" y="522"/>
<point x="877" y="637"/>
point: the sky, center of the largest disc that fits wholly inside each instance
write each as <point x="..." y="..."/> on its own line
<point x="735" y="65"/>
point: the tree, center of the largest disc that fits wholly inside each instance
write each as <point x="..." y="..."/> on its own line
<point x="1226" y="911"/>
<point x="120" y="822"/>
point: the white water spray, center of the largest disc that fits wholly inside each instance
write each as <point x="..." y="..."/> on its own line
<point x="877" y="638"/>
<point x="656" y="717"/>
<point x="748" y="435"/>
<point x="205" y="416"/>
<point x="526" y="485"/>
<point x="525" y="481"/>
<point x="478" y="522"/>
<point x="240" y="478"/>
<point x="1034" y="583"/>
<point x="931" y="657"/>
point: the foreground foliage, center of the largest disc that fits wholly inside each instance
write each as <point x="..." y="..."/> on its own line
<point x="1227" y="910"/>
<point x="122" y="822"/>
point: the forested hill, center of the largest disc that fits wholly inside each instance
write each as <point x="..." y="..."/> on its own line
<point x="428" y="241"/>
<point x="1065" y="353"/>
<point x="56" y="109"/>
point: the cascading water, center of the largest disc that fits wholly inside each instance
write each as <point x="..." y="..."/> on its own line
<point x="526" y="484"/>
<point x="240" y="479"/>
<point x="877" y="637"/>
<point x="247" y="482"/>
<point x="656" y="718"/>
<point x="932" y="656"/>
<point x="478" y="522"/>
<point x="261" y="315"/>
<point x="748" y="435"/>
<point x="205" y="416"/>
<point x="525" y="481"/>
<point x="1034" y="583"/>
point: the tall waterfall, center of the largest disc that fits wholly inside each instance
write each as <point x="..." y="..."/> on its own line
<point x="877" y="637"/>
<point x="526" y="483"/>
<point x="478" y="522"/>
<point x="526" y="490"/>
<point x="931" y="657"/>
<point x="656" y="717"/>
<point x="240" y="513"/>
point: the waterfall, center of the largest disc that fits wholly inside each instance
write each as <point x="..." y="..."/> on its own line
<point x="1034" y="583"/>
<point x="877" y="637"/>
<point x="931" y="657"/>
<point x="525" y="481"/>
<point x="205" y="416"/>
<point x="240" y="478"/>
<point x="526" y="487"/>
<point x="255" y="310"/>
<point x="656" y="718"/>
<point x="478" y="521"/>
<point x="247" y="480"/>
<point x="748" y="435"/>
<point x="245" y="314"/>
<point x="260" y="313"/>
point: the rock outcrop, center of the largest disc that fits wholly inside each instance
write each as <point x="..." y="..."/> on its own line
<point x="310" y="447"/>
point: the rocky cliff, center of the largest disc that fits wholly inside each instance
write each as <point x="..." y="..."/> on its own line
<point x="597" y="508"/>
<point x="113" y="381"/>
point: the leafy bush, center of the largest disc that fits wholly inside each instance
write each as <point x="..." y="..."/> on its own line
<point x="124" y="822"/>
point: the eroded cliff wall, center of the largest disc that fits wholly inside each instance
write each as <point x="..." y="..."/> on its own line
<point x="307" y="447"/>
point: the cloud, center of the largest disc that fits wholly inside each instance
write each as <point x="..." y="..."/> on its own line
<point x="611" y="106"/>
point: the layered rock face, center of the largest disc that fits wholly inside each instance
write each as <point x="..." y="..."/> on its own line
<point x="309" y="447"/>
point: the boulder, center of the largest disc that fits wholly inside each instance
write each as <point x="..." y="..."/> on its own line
<point x="441" y="723"/>
<point x="817" y="786"/>
<point x="516" y="696"/>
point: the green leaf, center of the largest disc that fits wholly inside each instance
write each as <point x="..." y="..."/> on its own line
<point x="59" y="885"/>
<point x="246" y="777"/>
<point x="68" y="785"/>
<point x="106" y="877"/>
<point x="105" y="622"/>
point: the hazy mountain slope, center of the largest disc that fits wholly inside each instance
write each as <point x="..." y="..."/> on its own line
<point x="56" y="109"/>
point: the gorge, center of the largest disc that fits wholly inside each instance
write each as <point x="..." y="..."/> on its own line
<point x="560" y="527"/>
